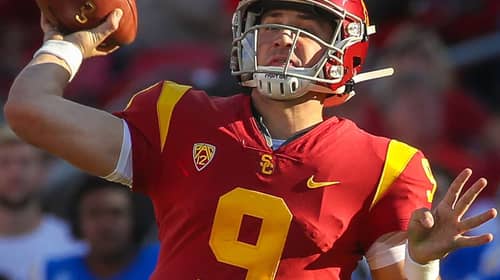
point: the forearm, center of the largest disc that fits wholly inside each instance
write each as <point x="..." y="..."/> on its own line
<point x="38" y="113"/>
<point x="59" y="70"/>
<point x="46" y="76"/>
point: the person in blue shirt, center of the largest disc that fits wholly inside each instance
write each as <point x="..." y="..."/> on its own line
<point x="108" y="217"/>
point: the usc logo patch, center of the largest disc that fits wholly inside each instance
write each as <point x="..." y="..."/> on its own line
<point x="266" y="164"/>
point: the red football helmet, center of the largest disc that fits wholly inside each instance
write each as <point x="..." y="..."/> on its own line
<point x="335" y="71"/>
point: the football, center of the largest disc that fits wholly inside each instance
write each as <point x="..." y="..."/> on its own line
<point x="74" y="15"/>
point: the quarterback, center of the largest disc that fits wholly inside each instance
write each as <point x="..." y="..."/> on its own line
<point x="258" y="186"/>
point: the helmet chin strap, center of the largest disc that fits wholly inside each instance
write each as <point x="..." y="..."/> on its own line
<point x="362" y="77"/>
<point x="282" y="87"/>
<point x="375" y="74"/>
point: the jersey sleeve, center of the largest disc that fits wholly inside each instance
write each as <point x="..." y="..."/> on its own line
<point x="148" y="116"/>
<point x="406" y="184"/>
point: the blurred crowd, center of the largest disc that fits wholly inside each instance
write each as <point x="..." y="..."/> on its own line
<point x="444" y="99"/>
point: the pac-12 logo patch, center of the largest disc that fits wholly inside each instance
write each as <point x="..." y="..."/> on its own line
<point x="202" y="155"/>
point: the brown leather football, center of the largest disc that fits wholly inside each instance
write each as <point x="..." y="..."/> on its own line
<point x="74" y="15"/>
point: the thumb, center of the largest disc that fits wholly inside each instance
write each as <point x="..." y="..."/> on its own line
<point x="421" y="222"/>
<point x="109" y="26"/>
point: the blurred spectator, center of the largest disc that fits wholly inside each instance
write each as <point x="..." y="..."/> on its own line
<point x="95" y="77"/>
<point x="110" y="218"/>
<point x="199" y="65"/>
<point x="19" y="36"/>
<point x="182" y="22"/>
<point x="190" y="49"/>
<point x="454" y="20"/>
<point x="457" y="20"/>
<point x="424" y="105"/>
<point x="27" y="236"/>
<point x="490" y="149"/>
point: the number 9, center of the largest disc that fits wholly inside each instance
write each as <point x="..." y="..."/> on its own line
<point x="261" y="260"/>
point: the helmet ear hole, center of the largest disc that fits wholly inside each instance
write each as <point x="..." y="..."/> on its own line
<point x="356" y="61"/>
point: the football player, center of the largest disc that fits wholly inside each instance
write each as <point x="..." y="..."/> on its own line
<point x="258" y="186"/>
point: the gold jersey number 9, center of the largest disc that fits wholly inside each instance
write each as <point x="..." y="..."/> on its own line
<point x="262" y="259"/>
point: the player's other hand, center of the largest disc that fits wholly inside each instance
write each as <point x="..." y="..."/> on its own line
<point x="88" y="41"/>
<point x="434" y="234"/>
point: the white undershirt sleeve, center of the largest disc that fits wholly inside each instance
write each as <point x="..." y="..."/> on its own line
<point x="123" y="172"/>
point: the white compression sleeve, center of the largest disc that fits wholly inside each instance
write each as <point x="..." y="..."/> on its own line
<point x="64" y="50"/>
<point x="123" y="172"/>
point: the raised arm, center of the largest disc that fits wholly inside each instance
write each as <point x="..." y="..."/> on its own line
<point x="37" y="111"/>
<point x="434" y="234"/>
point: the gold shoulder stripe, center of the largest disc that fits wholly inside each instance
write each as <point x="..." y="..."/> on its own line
<point x="171" y="93"/>
<point x="397" y="158"/>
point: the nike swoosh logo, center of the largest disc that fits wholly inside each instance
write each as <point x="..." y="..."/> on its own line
<point x="314" y="185"/>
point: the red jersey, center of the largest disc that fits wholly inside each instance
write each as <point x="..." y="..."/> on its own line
<point x="229" y="207"/>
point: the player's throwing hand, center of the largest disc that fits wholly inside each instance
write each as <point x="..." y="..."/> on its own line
<point x="89" y="41"/>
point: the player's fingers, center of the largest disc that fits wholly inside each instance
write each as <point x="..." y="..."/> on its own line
<point x="477" y="220"/>
<point x="456" y="186"/>
<point x="471" y="241"/>
<point x="113" y="50"/>
<point x="45" y="23"/>
<point x="421" y="222"/>
<point x="469" y="196"/>
<point x="109" y="26"/>
<point x="107" y="51"/>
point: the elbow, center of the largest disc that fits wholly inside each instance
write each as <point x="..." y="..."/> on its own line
<point x="16" y="115"/>
<point x="19" y="112"/>
<point x="30" y="104"/>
